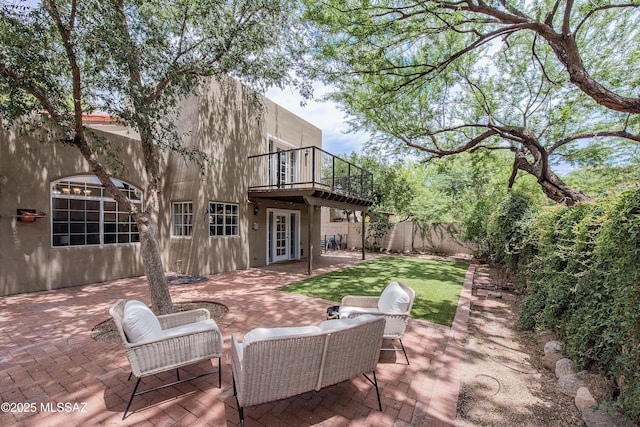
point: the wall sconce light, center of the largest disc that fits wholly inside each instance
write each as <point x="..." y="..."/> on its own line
<point x="29" y="216"/>
<point x="256" y="209"/>
<point x="77" y="190"/>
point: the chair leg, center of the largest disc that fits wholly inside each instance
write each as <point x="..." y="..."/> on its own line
<point x="133" y="393"/>
<point x="240" y="413"/>
<point x="240" y="409"/>
<point x="403" y="350"/>
<point x="179" y="381"/>
<point x="374" y="382"/>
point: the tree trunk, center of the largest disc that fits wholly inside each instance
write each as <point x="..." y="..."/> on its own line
<point x="152" y="260"/>
<point x="149" y="233"/>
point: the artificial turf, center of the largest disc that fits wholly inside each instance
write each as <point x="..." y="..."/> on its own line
<point x="437" y="284"/>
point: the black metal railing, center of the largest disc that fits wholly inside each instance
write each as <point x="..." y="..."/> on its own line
<point x="309" y="167"/>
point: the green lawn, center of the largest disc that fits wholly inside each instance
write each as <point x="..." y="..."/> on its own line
<point x="437" y="284"/>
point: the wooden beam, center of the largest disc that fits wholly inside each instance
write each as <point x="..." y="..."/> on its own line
<point x="317" y="201"/>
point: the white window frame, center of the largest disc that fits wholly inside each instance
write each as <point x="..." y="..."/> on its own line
<point x="182" y="219"/>
<point x="225" y="223"/>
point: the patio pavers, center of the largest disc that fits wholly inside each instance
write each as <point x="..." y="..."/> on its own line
<point x="56" y="374"/>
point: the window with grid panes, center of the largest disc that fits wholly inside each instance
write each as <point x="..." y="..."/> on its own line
<point x="182" y="219"/>
<point x="223" y="219"/>
<point x="83" y="213"/>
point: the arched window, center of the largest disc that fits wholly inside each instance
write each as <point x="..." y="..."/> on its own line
<point x="84" y="213"/>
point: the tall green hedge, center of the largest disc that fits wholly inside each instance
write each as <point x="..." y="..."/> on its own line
<point x="508" y="228"/>
<point x="581" y="269"/>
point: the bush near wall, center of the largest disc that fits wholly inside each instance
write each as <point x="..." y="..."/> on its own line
<point x="509" y="229"/>
<point x="581" y="269"/>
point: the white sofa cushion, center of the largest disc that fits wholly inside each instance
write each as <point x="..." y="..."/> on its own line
<point x="139" y="322"/>
<point x="266" y="333"/>
<point x="394" y="299"/>
<point x="335" y="324"/>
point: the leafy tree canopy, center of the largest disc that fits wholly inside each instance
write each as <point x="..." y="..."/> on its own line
<point x="542" y="80"/>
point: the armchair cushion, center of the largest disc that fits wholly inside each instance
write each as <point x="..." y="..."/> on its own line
<point x="190" y="328"/>
<point x="394" y="299"/>
<point x="139" y="322"/>
<point x="347" y="312"/>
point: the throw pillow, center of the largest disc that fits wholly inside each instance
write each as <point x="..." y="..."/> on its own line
<point x="139" y="322"/>
<point x="394" y="299"/>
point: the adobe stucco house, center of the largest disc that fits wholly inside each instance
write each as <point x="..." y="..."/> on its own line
<point x="256" y="203"/>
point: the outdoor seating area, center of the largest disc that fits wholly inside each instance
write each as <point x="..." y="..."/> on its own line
<point x="49" y="356"/>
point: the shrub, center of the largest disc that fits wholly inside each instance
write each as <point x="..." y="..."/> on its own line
<point x="585" y="284"/>
<point x="473" y="228"/>
<point x="508" y="228"/>
<point x="562" y="256"/>
<point x="605" y="330"/>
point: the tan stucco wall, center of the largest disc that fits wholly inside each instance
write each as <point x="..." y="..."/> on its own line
<point x="27" y="261"/>
<point x="225" y="122"/>
<point x="399" y="239"/>
<point x="222" y="121"/>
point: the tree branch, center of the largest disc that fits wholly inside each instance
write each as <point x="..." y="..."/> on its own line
<point x="566" y="20"/>
<point x="566" y="50"/>
<point x="601" y="8"/>
<point x="65" y="32"/>
<point x="619" y="134"/>
<point x="34" y="91"/>
<point x="548" y="19"/>
<point x="514" y="173"/>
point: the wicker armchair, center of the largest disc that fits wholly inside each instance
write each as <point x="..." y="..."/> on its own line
<point x="176" y="340"/>
<point x="394" y="304"/>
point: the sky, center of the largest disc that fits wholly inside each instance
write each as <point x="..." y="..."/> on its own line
<point x="323" y="114"/>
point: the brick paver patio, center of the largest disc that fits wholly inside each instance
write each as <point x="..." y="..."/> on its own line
<point x="55" y="374"/>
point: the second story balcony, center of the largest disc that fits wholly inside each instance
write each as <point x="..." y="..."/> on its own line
<point x="295" y="174"/>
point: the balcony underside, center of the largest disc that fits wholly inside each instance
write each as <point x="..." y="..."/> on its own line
<point x="314" y="197"/>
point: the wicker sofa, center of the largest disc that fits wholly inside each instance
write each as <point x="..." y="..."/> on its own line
<point x="276" y="363"/>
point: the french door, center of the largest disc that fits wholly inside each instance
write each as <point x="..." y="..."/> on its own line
<point x="282" y="166"/>
<point x="283" y="237"/>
